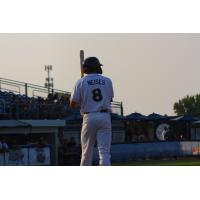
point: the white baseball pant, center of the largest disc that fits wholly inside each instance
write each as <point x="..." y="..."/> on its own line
<point x="96" y="127"/>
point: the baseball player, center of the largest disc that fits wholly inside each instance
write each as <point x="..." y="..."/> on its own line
<point x="94" y="93"/>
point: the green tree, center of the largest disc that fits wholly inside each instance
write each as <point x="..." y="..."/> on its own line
<point x="188" y="105"/>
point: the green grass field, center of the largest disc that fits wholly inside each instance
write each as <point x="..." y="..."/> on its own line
<point x="181" y="162"/>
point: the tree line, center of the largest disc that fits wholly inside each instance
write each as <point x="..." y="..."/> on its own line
<point x="188" y="105"/>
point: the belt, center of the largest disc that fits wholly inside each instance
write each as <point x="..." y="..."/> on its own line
<point x="101" y="111"/>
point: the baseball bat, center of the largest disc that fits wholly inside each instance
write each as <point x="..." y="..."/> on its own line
<point x="81" y="62"/>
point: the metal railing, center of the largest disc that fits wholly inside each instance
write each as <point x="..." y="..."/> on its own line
<point x="32" y="90"/>
<point x="26" y="88"/>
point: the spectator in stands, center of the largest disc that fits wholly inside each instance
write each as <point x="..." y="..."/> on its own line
<point x="33" y="109"/>
<point x="3" y="145"/>
<point x="180" y="135"/>
<point x="24" y="109"/>
<point x="42" y="141"/>
<point x="2" y="106"/>
<point x="141" y="137"/>
<point x="14" y="108"/>
<point x="59" y="110"/>
<point x="170" y="134"/>
<point x="49" y="97"/>
<point x="55" y="97"/>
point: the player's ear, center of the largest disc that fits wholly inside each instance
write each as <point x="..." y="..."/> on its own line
<point x="85" y="71"/>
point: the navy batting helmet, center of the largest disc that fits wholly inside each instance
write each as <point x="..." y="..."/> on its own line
<point x="91" y="62"/>
<point x="92" y="65"/>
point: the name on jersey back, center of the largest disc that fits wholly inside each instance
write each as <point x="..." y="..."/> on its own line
<point x="96" y="82"/>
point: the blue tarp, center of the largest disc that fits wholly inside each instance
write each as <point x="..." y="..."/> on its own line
<point x="155" y="117"/>
<point x="186" y="118"/>
<point x="136" y="116"/>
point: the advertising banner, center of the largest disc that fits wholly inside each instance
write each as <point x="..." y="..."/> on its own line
<point x="2" y="159"/>
<point x="195" y="148"/>
<point x="137" y="151"/>
<point x="17" y="157"/>
<point x="186" y="148"/>
<point x="39" y="156"/>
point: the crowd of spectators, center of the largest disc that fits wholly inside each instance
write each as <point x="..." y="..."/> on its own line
<point x="3" y="145"/>
<point x="136" y="132"/>
<point x="18" y="106"/>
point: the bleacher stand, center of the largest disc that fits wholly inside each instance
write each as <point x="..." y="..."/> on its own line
<point x="16" y="106"/>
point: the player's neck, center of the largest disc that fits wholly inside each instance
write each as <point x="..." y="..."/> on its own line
<point x="93" y="74"/>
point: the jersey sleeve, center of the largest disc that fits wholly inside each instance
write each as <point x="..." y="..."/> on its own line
<point x="76" y="93"/>
<point x="112" y="90"/>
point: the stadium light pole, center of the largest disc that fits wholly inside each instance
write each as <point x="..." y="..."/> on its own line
<point x="49" y="81"/>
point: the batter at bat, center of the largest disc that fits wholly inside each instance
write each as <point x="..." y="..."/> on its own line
<point x="93" y="93"/>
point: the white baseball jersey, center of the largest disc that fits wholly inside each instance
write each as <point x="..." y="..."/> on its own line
<point x="93" y="93"/>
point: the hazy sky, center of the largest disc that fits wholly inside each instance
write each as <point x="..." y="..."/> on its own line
<point x="149" y="71"/>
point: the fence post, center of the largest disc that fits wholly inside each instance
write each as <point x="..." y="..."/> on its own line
<point x="26" y="89"/>
<point x="122" y="110"/>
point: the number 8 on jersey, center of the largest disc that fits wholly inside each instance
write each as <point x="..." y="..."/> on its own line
<point x="97" y="95"/>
